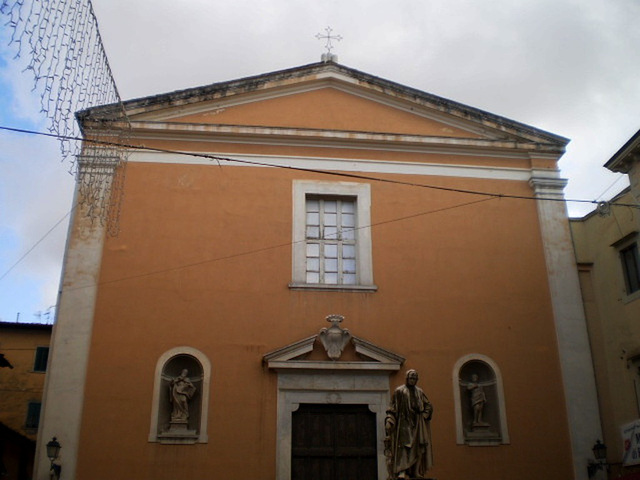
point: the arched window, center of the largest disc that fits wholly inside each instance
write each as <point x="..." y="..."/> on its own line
<point x="479" y="402"/>
<point x="180" y="397"/>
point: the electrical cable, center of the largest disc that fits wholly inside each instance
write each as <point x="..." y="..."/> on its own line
<point x="271" y="247"/>
<point x="323" y="172"/>
<point x="36" y="244"/>
<point x="620" y="177"/>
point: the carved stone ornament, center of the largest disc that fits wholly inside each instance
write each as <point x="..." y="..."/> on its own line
<point x="334" y="338"/>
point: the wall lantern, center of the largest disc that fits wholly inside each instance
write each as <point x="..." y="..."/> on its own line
<point x="600" y="453"/>
<point x="53" y="452"/>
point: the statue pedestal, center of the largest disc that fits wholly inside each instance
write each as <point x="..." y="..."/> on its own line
<point x="178" y="433"/>
<point x="481" y="434"/>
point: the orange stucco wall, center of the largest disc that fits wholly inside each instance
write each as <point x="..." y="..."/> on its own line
<point x="203" y="259"/>
<point x="326" y="108"/>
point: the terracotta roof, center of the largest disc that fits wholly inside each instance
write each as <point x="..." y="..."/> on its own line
<point x="26" y="326"/>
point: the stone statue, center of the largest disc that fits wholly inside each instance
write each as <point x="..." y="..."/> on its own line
<point x="181" y="391"/>
<point x="408" y="433"/>
<point x="478" y="400"/>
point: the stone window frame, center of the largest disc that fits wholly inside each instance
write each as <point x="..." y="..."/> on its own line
<point x="503" y="430"/>
<point x="629" y="241"/>
<point x="157" y="383"/>
<point x="364" y="262"/>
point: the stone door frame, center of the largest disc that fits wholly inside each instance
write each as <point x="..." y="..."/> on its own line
<point x="364" y="382"/>
<point x="330" y="387"/>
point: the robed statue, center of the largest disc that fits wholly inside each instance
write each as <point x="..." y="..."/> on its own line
<point x="181" y="390"/>
<point x="408" y="433"/>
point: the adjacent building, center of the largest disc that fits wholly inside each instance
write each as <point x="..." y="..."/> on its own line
<point x="606" y="244"/>
<point x="24" y="350"/>
<point x="290" y="244"/>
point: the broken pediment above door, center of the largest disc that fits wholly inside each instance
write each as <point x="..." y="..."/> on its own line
<point x="333" y="348"/>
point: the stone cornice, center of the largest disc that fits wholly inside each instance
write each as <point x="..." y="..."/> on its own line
<point x="280" y="135"/>
<point x="322" y="72"/>
<point x="624" y="158"/>
<point x="547" y="183"/>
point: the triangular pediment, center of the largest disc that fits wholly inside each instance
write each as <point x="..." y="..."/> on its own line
<point x="322" y="107"/>
<point x="321" y="97"/>
<point x="333" y="348"/>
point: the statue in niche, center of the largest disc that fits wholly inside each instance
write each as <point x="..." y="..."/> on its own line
<point x="407" y="431"/>
<point x="478" y="400"/>
<point x="479" y="408"/>
<point x="181" y="391"/>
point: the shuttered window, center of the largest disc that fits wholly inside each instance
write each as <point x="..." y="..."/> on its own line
<point x="33" y="415"/>
<point x="331" y="240"/>
<point x="41" y="359"/>
<point x="631" y="267"/>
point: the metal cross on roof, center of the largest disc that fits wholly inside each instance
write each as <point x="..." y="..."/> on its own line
<point x="328" y="37"/>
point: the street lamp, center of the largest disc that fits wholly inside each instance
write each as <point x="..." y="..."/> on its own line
<point x="600" y="453"/>
<point x="53" y="451"/>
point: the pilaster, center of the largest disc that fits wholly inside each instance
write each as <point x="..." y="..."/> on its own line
<point x="63" y="396"/>
<point x="571" y="328"/>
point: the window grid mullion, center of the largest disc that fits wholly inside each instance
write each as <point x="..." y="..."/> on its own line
<point x="339" y="240"/>
<point x="322" y="240"/>
<point x="334" y="233"/>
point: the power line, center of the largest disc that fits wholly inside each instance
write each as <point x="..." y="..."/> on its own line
<point x="218" y="158"/>
<point x="271" y="247"/>
<point x="36" y="244"/>
<point x="620" y="177"/>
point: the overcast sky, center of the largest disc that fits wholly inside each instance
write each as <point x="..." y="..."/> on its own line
<point x="569" y="67"/>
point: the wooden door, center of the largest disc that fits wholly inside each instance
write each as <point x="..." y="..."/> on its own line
<point x="333" y="442"/>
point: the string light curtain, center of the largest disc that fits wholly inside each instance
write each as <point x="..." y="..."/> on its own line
<point x="60" y="44"/>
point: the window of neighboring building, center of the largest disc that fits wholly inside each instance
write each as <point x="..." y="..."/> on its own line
<point x="631" y="267"/>
<point x="33" y="415"/>
<point x="40" y="362"/>
<point x="633" y="362"/>
<point x="332" y="237"/>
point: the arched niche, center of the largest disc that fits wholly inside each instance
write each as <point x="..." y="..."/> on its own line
<point x="480" y="411"/>
<point x="180" y="397"/>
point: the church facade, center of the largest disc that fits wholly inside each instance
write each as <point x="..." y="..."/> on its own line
<point x="289" y="246"/>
